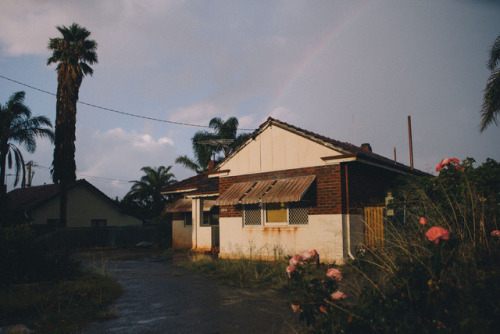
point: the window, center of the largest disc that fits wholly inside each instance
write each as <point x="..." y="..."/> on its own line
<point x="276" y="213"/>
<point x="211" y="217"/>
<point x="252" y="215"/>
<point x="188" y="219"/>
<point x="295" y="213"/>
<point x="98" y="222"/>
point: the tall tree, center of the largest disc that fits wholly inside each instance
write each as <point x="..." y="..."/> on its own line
<point x="491" y="101"/>
<point x="17" y="125"/>
<point x="145" y="193"/>
<point x="73" y="53"/>
<point x="206" y="144"/>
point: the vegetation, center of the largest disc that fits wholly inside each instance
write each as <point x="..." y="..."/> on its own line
<point x="242" y="272"/>
<point x="491" y="101"/>
<point x="64" y="306"/>
<point x="49" y="292"/>
<point x="73" y="53"/>
<point x="144" y="198"/>
<point x="17" y="126"/>
<point x="437" y="273"/>
<point x="207" y="144"/>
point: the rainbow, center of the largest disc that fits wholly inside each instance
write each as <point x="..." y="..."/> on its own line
<point x="315" y="51"/>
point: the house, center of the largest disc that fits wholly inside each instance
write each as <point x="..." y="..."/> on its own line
<point x="87" y="206"/>
<point x="195" y="217"/>
<point x="287" y="189"/>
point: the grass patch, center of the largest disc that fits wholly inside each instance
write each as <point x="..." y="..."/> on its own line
<point x="241" y="272"/>
<point x="59" y="307"/>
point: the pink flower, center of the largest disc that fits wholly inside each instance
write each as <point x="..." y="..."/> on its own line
<point x="437" y="233"/>
<point x="495" y="233"/>
<point x="295" y="260"/>
<point x="306" y="255"/>
<point x="322" y="309"/>
<point x="334" y="273"/>
<point x="290" y="269"/>
<point x="446" y="162"/>
<point x="295" y="307"/>
<point x="338" y="295"/>
<point x="423" y="221"/>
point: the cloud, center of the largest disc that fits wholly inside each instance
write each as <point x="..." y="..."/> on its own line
<point x="109" y="159"/>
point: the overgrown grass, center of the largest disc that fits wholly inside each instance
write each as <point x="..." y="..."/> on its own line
<point x="59" y="307"/>
<point x="242" y="272"/>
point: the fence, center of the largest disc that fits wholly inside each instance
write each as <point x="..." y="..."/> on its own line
<point x="126" y="236"/>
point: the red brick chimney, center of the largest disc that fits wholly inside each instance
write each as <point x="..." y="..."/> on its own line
<point x="366" y="147"/>
<point x="211" y="165"/>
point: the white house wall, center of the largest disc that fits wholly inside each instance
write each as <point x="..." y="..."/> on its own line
<point x="181" y="235"/>
<point x="277" y="149"/>
<point x="323" y="233"/>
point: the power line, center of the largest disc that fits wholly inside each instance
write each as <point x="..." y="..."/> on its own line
<point x="113" y="110"/>
<point x="97" y="178"/>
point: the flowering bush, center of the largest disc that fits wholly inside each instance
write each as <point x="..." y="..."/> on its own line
<point x="439" y="269"/>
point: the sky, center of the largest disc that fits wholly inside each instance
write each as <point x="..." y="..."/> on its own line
<point x="348" y="70"/>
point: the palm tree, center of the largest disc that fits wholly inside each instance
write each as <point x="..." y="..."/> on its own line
<point x="72" y="53"/>
<point x="17" y="125"/>
<point x="205" y="144"/>
<point x="491" y="101"/>
<point x="146" y="192"/>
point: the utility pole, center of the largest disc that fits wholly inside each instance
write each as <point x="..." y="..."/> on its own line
<point x="30" y="173"/>
<point x="411" y="143"/>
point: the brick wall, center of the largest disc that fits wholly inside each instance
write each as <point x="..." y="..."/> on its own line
<point x="325" y="194"/>
<point x="368" y="184"/>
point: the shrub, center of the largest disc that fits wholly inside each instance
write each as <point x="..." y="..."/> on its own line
<point x="438" y="271"/>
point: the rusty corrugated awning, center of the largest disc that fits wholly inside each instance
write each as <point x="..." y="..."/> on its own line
<point x="288" y="190"/>
<point x="256" y="193"/>
<point x="234" y="193"/>
<point x="184" y="205"/>
<point x="181" y="205"/>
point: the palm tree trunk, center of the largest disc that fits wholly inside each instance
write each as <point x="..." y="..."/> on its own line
<point x="3" y="164"/>
<point x="63" y="205"/>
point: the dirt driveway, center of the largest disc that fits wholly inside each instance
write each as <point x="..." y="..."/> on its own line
<point x="160" y="297"/>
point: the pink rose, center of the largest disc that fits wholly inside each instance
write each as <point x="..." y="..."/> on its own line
<point x="338" y="295"/>
<point x="306" y="255"/>
<point x="446" y="162"/>
<point x="334" y="273"/>
<point x="423" y="221"/>
<point x="295" y="260"/>
<point x="495" y="233"/>
<point x="290" y="270"/>
<point x="295" y="307"/>
<point x="437" y="233"/>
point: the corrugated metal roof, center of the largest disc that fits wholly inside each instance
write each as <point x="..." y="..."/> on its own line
<point x="184" y="205"/>
<point x="288" y="190"/>
<point x="181" y="205"/>
<point x="256" y="193"/>
<point x="234" y="193"/>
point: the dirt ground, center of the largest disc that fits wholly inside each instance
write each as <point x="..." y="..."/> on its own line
<point x="160" y="297"/>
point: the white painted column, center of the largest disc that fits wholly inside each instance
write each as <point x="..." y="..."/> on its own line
<point x="197" y="212"/>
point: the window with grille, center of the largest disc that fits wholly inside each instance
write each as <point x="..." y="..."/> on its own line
<point x="276" y="214"/>
<point x="298" y="214"/>
<point x="252" y="215"/>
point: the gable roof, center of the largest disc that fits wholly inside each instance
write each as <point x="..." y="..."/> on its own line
<point x="24" y="199"/>
<point x="345" y="148"/>
<point x="200" y="184"/>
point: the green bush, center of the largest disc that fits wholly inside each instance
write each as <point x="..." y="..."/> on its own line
<point x="22" y="260"/>
<point x="438" y="271"/>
